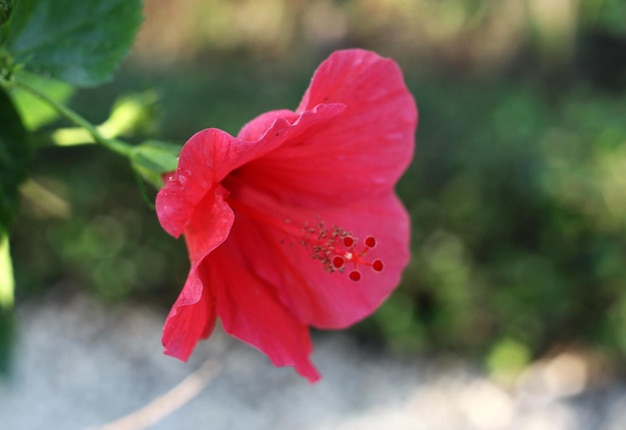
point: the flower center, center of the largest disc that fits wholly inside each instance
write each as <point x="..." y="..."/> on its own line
<point x="339" y="250"/>
<point x="335" y="248"/>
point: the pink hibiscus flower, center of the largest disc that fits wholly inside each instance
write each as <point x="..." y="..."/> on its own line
<point x="294" y="223"/>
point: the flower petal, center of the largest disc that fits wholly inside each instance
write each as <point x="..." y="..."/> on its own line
<point x="333" y="300"/>
<point x="259" y="126"/>
<point x="195" y="176"/>
<point x="211" y="154"/>
<point x="250" y="311"/>
<point x="284" y="254"/>
<point x="361" y="152"/>
<point x="191" y="318"/>
<point x="193" y="315"/>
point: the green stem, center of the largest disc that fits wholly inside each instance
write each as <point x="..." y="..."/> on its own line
<point x="113" y="144"/>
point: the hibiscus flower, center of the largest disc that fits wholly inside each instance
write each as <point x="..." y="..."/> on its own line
<point x="294" y="223"/>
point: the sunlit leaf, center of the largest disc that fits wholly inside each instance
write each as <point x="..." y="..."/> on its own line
<point x="7" y="288"/>
<point x="7" y="283"/>
<point x="13" y="158"/>
<point x="33" y="111"/>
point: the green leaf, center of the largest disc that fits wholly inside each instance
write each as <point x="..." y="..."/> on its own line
<point x="132" y="113"/>
<point x="153" y="158"/>
<point x="34" y="111"/>
<point x="6" y="7"/>
<point x="14" y="154"/>
<point x="78" y="41"/>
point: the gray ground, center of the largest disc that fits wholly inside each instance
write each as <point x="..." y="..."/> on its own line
<point x="83" y="366"/>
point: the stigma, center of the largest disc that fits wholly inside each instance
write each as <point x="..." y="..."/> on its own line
<point x="336" y="249"/>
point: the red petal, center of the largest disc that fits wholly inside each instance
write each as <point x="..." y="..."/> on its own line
<point x="333" y="300"/>
<point x="211" y="154"/>
<point x="195" y="176"/>
<point x="250" y="311"/>
<point x="362" y="151"/>
<point x="259" y="126"/>
<point x="192" y="317"/>
<point x="312" y="294"/>
<point x="204" y="161"/>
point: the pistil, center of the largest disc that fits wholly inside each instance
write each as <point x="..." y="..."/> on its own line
<point x="336" y="249"/>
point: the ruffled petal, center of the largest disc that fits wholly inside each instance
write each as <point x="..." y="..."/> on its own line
<point x="193" y="315"/>
<point x="191" y="318"/>
<point x="259" y="126"/>
<point x="359" y="153"/>
<point x="211" y="154"/>
<point x="286" y="253"/>
<point x="251" y="312"/>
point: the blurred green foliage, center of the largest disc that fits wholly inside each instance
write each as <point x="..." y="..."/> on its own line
<point x="517" y="192"/>
<point x="518" y="204"/>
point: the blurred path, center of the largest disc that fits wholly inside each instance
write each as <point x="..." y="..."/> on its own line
<point x="81" y="366"/>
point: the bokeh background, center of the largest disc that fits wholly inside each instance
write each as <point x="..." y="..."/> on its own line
<point x="517" y="193"/>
